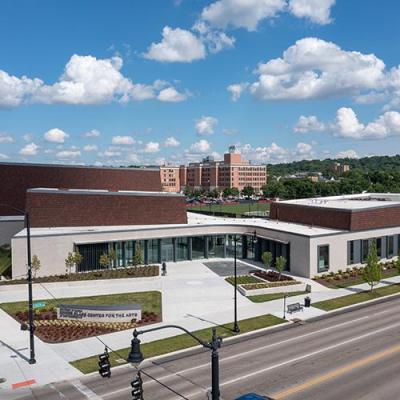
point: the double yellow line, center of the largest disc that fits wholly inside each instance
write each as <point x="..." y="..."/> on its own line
<point x="336" y="373"/>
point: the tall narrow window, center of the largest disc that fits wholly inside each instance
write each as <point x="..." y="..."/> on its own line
<point x="351" y="252"/>
<point x="323" y="258"/>
<point x="390" y="246"/>
<point x="364" y="250"/>
<point x="378" y="242"/>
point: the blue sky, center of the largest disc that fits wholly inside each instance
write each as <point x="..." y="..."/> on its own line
<point x="149" y="82"/>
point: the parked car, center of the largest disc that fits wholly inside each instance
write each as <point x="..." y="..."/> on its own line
<point x="253" y="396"/>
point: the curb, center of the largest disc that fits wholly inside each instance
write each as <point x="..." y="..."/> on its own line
<point x="260" y="332"/>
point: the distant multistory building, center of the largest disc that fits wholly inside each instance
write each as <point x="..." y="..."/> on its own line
<point x="340" y="169"/>
<point x="209" y="174"/>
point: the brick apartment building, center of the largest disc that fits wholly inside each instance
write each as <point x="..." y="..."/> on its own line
<point x="209" y="174"/>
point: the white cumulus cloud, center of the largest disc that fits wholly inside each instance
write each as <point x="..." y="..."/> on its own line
<point x="347" y="125"/>
<point x="171" y="142"/>
<point x="171" y="95"/>
<point x="200" y="147"/>
<point x="31" y="149"/>
<point x="94" y="133"/>
<point x="4" y="156"/>
<point x="309" y="124"/>
<point x="206" y="125"/>
<point x="241" y="13"/>
<point x="68" y="154"/>
<point x="6" y="138"/>
<point x="236" y="90"/>
<point x="85" y="80"/>
<point x="123" y="140"/>
<point x="347" y="154"/>
<point x="56" y="135"/>
<point x="90" y="147"/>
<point x="317" y="11"/>
<point x="177" y="45"/>
<point x="152" y="147"/>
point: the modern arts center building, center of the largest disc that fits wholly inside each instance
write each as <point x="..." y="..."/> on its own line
<point x="96" y="210"/>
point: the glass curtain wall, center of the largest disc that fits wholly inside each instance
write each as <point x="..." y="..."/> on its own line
<point x="182" y="249"/>
<point x="216" y="246"/>
<point x="153" y="251"/>
<point x="167" y="249"/>
<point x="390" y="246"/>
<point x="129" y="246"/>
<point x="198" y="247"/>
<point x="230" y="246"/>
<point x="119" y="254"/>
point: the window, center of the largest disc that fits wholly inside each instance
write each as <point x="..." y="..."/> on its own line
<point x="398" y="245"/>
<point x="351" y="252"/>
<point x="364" y="250"/>
<point x="389" y="246"/>
<point x="182" y="249"/>
<point x="323" y="258"/>
<point x="198" y="244"/>
<point x="216" y="246"/>
<point x="153" y="247"/>
<point x="167" y="249"/>
<point x="378" y="243"/>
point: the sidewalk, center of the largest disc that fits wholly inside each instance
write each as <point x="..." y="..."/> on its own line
<point x="192" y="296"/>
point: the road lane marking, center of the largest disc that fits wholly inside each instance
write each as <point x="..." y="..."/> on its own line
<point x="267" y="346"/>
<point x="323" y="350"/>
<point x="86" y="391"/>
<point x="336" y="373"/>
<point x="174" y="375"/>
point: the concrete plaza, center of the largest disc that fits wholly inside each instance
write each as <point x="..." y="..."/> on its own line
<point x="193" y="296"/>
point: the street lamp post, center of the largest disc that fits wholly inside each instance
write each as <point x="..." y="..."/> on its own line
<point x="136" y="356"/>
<point x="32" y="359"/>
<point x="284" y="305"/>
<point x="236" y="328"/>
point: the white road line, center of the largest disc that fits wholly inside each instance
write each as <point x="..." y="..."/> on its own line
<point x="260" y="371"/>
<point x="60" y="394"/>
<point x="256" y="350"/>
<point x="87" y="392"/>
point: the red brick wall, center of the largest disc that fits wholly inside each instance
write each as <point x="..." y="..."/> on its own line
<point x="356" y="220"/>
<point x="329" y="218"/>
<point x="16" y="179"/>
<point x="57" y="210"/>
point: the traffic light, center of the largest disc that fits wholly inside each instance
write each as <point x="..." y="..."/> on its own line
<point x="104" y="365"/>
<point x="137" y="387"/>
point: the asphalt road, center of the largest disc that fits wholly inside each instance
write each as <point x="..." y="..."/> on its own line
<point x="354" y="355"/>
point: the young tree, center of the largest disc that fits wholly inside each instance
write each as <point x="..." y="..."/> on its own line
<point x="397" y="264"/>
<point x="267" y="259"/>
<point x="72" y="260"/>
<point x="104" y="260"/>
<point x="280" y="264"/>
<point x="35" y="263"/>
<point x="372" y="273"/>
<point x="69" y="262"/>
<point x="137" y="258"/>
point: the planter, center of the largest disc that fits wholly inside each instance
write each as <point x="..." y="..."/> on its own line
<point x="299" y="287"/>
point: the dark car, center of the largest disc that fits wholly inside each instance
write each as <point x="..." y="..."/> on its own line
<point x="253" y="396"/>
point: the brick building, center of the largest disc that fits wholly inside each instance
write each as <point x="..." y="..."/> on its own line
<point x="209" y="174"/>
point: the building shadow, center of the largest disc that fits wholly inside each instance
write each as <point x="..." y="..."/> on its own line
<point x="15" y="351"/>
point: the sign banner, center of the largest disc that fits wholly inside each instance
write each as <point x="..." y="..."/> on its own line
<point x="114" y="313"/>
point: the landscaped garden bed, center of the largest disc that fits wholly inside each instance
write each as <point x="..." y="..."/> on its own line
<point x="353" y="276"/>
<point x="53" y="330"/>
<point x="271" y="276"/>
<point x="115" y="273"/>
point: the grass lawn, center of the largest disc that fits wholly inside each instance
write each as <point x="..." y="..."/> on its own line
<point x="243" y="279"/>
<point x="357" y="280"/>
<point x="150" y="301"/>
<point x="232" y="208"/>
<point x="164" y="346"/>
<point x="356" y="298"/>
<point x="273" y="296"/>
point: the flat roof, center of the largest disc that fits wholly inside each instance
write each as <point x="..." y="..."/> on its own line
<point x="194" y="220"/>
<point x="103" y="192"/>
<point x="351" y="202"/>
<point x="143" y="168"/>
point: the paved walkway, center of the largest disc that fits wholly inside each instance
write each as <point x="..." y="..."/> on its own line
<point x="193" y="296"/>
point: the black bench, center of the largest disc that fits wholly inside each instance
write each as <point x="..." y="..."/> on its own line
<point x="291" y="308"/>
